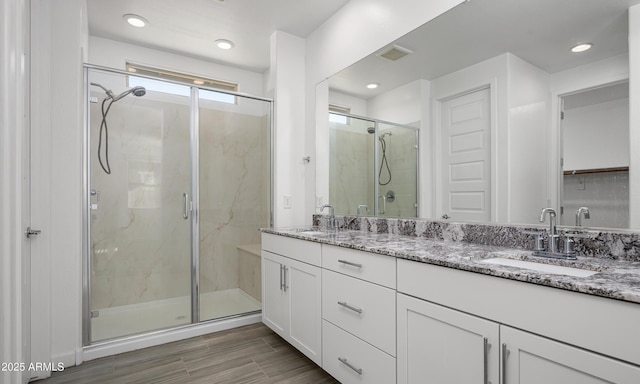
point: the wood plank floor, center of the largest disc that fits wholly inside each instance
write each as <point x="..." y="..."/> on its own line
<point x="251" y="354"/>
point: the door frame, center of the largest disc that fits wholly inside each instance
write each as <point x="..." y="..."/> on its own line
<point x="555" y="153"/>
<point x="436" y="149"/>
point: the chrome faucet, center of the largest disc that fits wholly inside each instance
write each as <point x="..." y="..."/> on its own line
<point x="366" y="208"/>
<point x="332" y="223"/>
<point x="579" y="213"/>
<point x="553" y="231"/>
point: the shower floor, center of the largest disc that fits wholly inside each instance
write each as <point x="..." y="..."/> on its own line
<point x="133" y="319"/>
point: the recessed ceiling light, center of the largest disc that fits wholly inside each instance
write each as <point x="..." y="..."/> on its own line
<point x="198" y="82"/>
<point x="581" y="47"/>
<point x="373" y="85"/>
<point x="224" y="44"/>
<point x="135" y="20"/>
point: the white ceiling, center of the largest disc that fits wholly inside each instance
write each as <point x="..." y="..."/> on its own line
<point x="190" y="27"/>
<point x="538" y="31"/>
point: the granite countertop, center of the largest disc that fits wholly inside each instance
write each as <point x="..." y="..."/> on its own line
<point x="617" y="279"/>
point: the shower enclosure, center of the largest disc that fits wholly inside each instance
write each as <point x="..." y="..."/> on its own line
<point x="373" y="167"/>
<point x="178" y="180"/>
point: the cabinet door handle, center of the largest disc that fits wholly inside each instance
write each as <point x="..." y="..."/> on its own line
<point x="281" y="277"/>
<point x="284" y="283"/>
<point x="354" y="309"/>
<point x="487" y="345"/>
<point x="344" y="361"/>
<point x="505" y="352"/>
<point x="350" y="263"/>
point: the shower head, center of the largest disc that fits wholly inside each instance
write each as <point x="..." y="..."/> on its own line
<point x="386" y="134"/>
<point x="371" y="130"/>
<point x="137" y="91"/>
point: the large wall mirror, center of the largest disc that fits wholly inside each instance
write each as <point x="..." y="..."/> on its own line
<point x="510" y="119"/>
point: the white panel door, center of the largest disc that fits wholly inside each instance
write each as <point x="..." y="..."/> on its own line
<point x="439" y="345"/>
<point x="530" y="359"/>
<point x="466" y="157"/>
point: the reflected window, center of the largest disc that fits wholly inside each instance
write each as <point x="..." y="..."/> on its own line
<point x="337" y="112"/>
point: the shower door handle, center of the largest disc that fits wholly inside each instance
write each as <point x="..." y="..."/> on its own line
<point x="185" y="208"/>
<point x="384" y="204"/>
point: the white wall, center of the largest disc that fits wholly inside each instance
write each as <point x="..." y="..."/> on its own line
<point x="59" y="33"/>
<point x="114" y="54"/>
<point x="14" y="249"/>
<point x="528" y="135"/>
<point x="596" y="136"/>
<point x="287" y="74"/>
<point x="401" y="105"/>
<point x="342" y="40"/>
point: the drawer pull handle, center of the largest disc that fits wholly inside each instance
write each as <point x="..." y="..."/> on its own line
<point x="354" y="309"/>
<point x="350" y="263"/>
<point x="344" y="361"/>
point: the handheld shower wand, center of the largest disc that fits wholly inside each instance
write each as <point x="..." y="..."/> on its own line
<point x="384" y="162"/>
<point x="137" y="91"/>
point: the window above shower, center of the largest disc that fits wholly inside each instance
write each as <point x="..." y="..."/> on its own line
<point x="177" y="89"/>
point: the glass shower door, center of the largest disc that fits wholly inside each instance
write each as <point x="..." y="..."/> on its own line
<point x="140" y="228"/>
<point x="234" y="195"/>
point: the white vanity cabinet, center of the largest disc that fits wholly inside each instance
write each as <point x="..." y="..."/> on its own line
<point x="358" y="311"/>
<point x="445" y="316"/>
<point x="291" y="292"/>
<point x="531" y="359"/>
<point x="441" y="345"/>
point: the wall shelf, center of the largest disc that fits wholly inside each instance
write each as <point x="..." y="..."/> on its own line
<point x="596" y="170"/>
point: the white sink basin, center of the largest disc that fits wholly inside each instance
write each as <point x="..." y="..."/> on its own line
<point x="546" y="268"/>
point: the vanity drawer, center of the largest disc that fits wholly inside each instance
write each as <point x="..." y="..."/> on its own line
<point x="364" y="309"/>
<point x="379" y="269"/>
<point x="301" y="250"/>
<point x="351" y="360"/>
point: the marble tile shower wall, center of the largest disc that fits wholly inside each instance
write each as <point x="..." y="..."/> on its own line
<point x="602" y="244"/>
<point x="140" y="243"/>
<point x="234" y="193"/>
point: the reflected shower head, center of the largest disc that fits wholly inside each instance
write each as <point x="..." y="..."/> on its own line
<point x="386" y="134"/>
<point x="371" y="130"/>
<point x="137" y="91"/>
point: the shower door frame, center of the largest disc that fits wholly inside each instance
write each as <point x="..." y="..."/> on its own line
<point x="376" y="156"/>
<point x="194" y="132"/>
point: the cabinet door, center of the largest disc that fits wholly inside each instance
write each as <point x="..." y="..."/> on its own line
<point x="304" y="286"/>
<point x="440" y="345"/>
<point x="531" y="359"/>
<point x="275" y="300"/>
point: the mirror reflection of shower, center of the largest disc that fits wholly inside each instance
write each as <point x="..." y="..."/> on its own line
<point x="107" y="102"/>
<point x="384" y="162"/>
<point x="370" y="163"/>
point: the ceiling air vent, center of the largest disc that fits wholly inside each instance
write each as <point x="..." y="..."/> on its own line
<point x="395" y="52"/>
